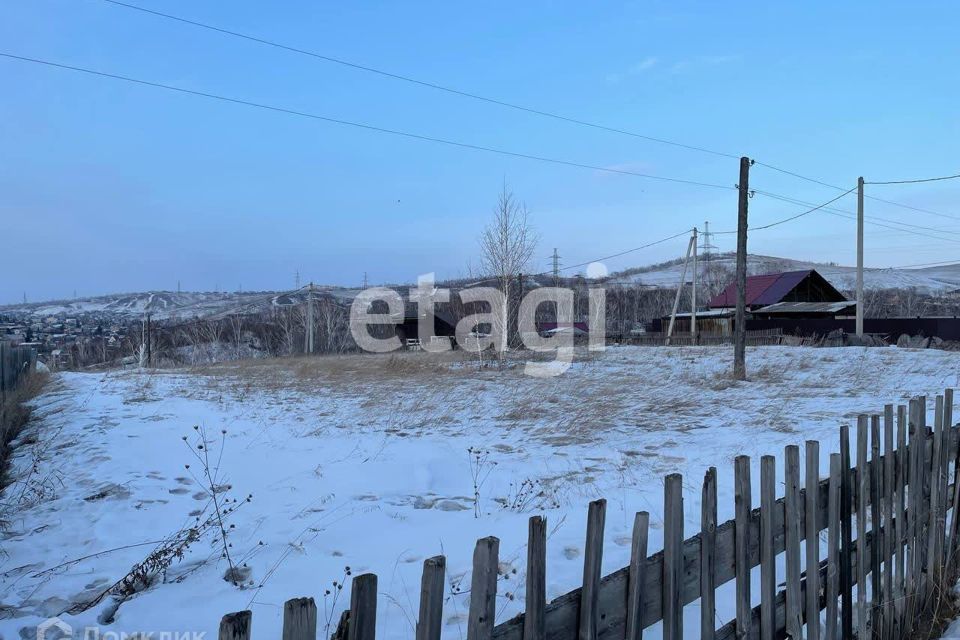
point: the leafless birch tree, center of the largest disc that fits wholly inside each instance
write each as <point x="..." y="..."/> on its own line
<point x="506" y="247"/>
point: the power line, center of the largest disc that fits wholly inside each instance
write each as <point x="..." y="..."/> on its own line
<point x="851" y="213"/>
<point x="502" y="103"/>
<point x="422" y="83"/>
<point x="360" y="125"/>
<point x="588" y="262"/>
<point x="791" y="218"/>
<point x="944" y="263"/>
<point x="800" y="215"/>
<point x="916" y="181"/>
<point x="623" y="253"/>
<point x="849" y="216"/>
<point x="874" y="198"/>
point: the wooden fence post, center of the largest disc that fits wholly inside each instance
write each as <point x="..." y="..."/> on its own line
<point x="791" y="523"/>
<point x="955" y="443"/>
<point x="636" y="576"/>
<point x="742" y="544"/>
<point x="235" y="626"/>
<point x="863" y="495"/>
<point x="672" y="557"/>
<point x="876" y="519"/>
<point x="299" y="619"/>
<point x="833" y="550"/>
<point x="944" y="478"/>
<point x="812" y="537"/>
<point x="914" y="459"/>
<point x="933" y="528"/>
<point x="923" y="515"/>
<point x="899" y="505"/>
<point x="846" y="535"/>
<point x="708" y="555"/>
<point x="768" y="567"/>
<point x="592" y="559"/>
<point x="889" y="535"/>
<point x="483" y="589"/>
<point x="942" y="448"/>
<point x="363" y="607"/>
<point x="533" y="619"/>
<point x="430" y="620"/>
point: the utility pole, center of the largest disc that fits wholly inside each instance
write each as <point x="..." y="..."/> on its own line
<point x="556" y="268"/>
<point x="860" y="257"/>
<point x="683" y="281"/>
<point x="693" y="293"/>
<point x="740" y="318"/>
<point x="309" y="345"/>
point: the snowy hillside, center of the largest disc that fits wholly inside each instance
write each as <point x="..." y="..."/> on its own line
<point x="933" y="280"/>
<point x="170" y="305"/>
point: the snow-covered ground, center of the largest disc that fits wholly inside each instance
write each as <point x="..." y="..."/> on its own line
<point x="364" y="462"/>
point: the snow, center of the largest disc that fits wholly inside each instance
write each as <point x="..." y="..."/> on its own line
<point x="363" y="462"/>
<point x="931" y="280"/>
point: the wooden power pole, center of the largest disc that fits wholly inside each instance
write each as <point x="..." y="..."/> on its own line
<point x="860" y="257"/>
<point x="740" y="318"/>
<point x="693" y="291"/>
<point x="683" y="280"/>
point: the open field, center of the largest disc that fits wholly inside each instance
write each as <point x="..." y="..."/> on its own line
<point x="363" y="462"/>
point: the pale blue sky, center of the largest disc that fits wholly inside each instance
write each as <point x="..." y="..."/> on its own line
<point x="113" y="187"/>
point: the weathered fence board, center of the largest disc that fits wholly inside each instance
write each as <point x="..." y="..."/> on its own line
<point x="708" y="554"/>
<point x="533" y="622"/>
<point x="430" y="619"/>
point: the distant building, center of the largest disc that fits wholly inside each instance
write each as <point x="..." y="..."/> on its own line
<point x="788" y="295"/>
<point x="804" y="293"/>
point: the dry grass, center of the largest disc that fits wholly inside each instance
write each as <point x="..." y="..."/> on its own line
<point x="14" y="416"/>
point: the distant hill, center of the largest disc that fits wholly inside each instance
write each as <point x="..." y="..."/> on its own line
<point x="163" y="305"/>
<point x="931" y="280"/>
<point x="166" y="305"/>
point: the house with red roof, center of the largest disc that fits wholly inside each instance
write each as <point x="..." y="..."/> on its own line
<point x="792" y="293"/>
<point x="787" y="295"/>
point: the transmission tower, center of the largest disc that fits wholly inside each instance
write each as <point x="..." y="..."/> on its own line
<point x="296" y="280"/>
<point x="707" y="248"/>
<point x="555" y="258"/>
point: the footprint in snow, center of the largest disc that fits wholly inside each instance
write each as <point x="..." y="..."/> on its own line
<point x="571" y="553"/>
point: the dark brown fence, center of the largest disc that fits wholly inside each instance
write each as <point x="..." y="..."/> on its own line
<point x="759" y="338"/>
<point x="897" y="500"/>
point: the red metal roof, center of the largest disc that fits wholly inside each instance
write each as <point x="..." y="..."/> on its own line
<point x="762" y="290"/>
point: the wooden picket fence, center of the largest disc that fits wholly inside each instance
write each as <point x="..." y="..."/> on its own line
<point x="16" y="363"/>
<point x="896" y="499"/>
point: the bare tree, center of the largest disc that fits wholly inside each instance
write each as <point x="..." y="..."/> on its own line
<point x="506" y="247"/>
